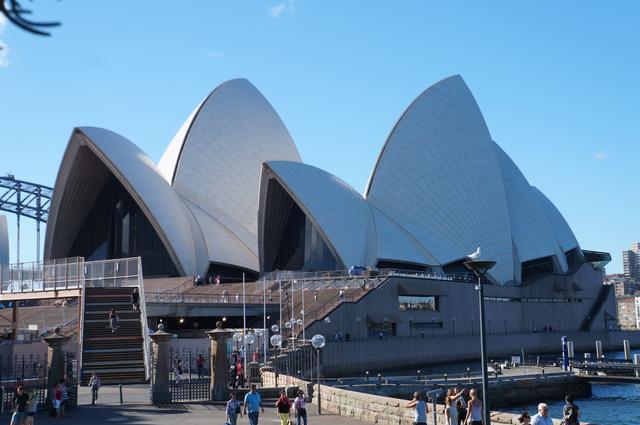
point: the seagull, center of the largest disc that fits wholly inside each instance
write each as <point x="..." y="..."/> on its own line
<point x="475" y="255"/>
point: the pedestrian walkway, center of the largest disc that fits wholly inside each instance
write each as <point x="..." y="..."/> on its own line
<point x="137" y="410"/>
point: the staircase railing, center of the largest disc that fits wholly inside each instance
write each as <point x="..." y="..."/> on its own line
<point x="143" y="321"/>
<point x="595" y="307"/>
<point x="81" y="326"/>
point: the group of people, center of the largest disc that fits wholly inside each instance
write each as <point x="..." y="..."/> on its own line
<point x="463" y="407"/>
<point x="114" y="320"/>
<point x="570" y="414"/>
<point x="338" y="336"/>
<point x="252" y="407"/>
<point x="211" y="280"/>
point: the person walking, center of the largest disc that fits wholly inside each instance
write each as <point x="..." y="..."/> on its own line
<point x="252" y="404"/>
<point x="420" y="409"/>
<point x="113" y="320"/>
<point x="475" y="410"/>
<point x="32" y="406"/>
<point x="524" y="419"/>
<point x="284" y="408"/>
<point x="299" y="405"/>
<point x="64" y="397"/>
<point x="233" y="409"/>
<point x="19" y="404"/>
<point x="542" y="417"/>
<point x="200" y="365"/>
<point x="570" y="412"/>
<point x="135" y="299"/>
<point x="94" y="384"/>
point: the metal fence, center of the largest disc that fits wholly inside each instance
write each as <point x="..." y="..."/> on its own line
<point x="189" y="377"/>
<point x="32" y="372"/>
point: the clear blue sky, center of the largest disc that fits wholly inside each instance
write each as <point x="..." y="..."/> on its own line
<point x="558" y="83"/>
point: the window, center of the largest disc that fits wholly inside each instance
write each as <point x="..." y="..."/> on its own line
<point x="381" y="330"/>
<point x="418" y="302"/>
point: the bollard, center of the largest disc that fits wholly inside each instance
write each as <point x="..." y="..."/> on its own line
<point x="627" y="350"/>
<point x="599" y="350"/>
<point x="367" y="375"/>
<point x="418" y="378"/>
<point x="570" y="350"/>
<point x="120" y="388"/>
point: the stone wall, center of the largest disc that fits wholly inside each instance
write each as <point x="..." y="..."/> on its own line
<point x="375" y="408"/>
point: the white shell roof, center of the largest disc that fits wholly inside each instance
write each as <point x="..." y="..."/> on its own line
<point x="338" y="210"/>
<point x="438" y="176"/>
<point x="215" y="161"/>
<point x="561" y="229"/>
<point x="531" y="231"/>
<point x="4" y="240"/>
<point x="77" y="185"/>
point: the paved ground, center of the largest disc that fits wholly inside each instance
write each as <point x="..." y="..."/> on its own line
<point x="137" y="410"/>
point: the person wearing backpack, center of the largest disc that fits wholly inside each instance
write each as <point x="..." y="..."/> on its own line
<point x="570" y="412"/>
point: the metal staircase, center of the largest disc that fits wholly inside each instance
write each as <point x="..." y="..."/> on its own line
<point x="117" y="357"/>
<point x="603" y="294"/>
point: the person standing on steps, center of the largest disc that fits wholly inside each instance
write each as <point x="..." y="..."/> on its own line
<point x="94" y="384"/>
<point x="200" y="365"/>
<point x="253" y="403"/>
<point x="113" y="320"/>
<point x="135" y="299"/>
<point x="420" y="409"/>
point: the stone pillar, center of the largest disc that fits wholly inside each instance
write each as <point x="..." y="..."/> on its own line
<point x="56" y="359"/>
<point x="219" y="363"/>
<point x="160" y="393"/>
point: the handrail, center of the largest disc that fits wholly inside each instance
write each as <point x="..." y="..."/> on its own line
<point x="194" y="298"/>
<point x="81" y="336"/>
<point x="143" y="322"/>
<point x="49" y="331"/>
<point x="171" y="290"/>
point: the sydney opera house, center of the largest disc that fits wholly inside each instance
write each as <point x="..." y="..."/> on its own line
<point x="231" y="195"/>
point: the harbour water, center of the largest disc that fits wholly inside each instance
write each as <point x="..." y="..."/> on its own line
<point x="610" y="404"/>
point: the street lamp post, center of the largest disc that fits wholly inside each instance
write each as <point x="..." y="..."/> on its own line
<point x="480" y="268"/>
<point x="318" y="342"/>
<point x="276" y="342"/>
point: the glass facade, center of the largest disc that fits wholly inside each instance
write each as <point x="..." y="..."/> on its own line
<point x="291" y="240"/>
<point x="418" y="302"/>
<point x="115" y="227"/>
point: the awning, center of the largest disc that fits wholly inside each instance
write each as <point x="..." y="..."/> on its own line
<point x="383" y="317"/>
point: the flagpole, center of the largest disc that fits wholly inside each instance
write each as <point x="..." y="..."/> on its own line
<point x="244" y="323"/>
<point x="265" y="332"/>
<point x="304" y="338"/>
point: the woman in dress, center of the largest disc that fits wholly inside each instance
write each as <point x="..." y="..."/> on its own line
<point x="233" y="409"/>
<point x="451" y="407"/>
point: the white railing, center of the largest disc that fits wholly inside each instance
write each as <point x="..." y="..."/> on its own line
<point x="59" y="274"/>
<point x="146" y="341"/>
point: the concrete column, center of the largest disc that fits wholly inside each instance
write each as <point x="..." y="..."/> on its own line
<point x="627" y="350"/>
<point x="219" y="362"/>
<point x="160" y="393"/>
<point x="570" y="349"/>
<point x="56" y="359"/>
<point x="598" y="350"/>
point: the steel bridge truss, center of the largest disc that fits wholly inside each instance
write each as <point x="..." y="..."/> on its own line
<point x="26" y="199"/>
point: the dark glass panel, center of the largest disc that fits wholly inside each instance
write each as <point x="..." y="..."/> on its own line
<point x="115" y="227"/>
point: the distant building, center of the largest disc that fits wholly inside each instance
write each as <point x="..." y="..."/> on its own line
<point x="631" y="261"/>
<point x="628" y="312"/>
<point x="623" y="285"/>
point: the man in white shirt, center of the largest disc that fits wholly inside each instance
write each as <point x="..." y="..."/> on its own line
<point x="542" y="418"/>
